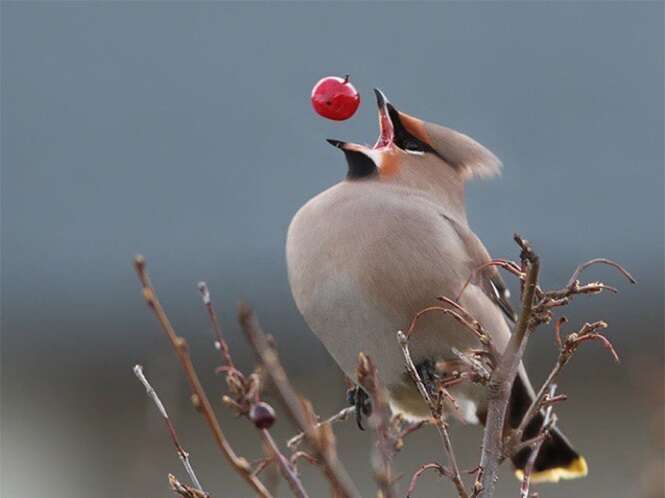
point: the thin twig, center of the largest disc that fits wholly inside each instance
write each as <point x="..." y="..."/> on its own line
<point x="544" y="429"/>
<point x="480" y="373"/>
<point x="484" y="366"/>
<point x="220" y="343"/>
<point x="443" y="472"/>
<point x="381" y="421"/>
<point x="340" y="416"/>
<point x="565" y="354"/>
<point x="286" y="468"/>
<point x="548" y="301"/>
<point x="247" y="402"/>
<point x="578" y="271"/>
<point x="199" y="397"/>
<point x="441" y="425"/>
<point x="303" y="455"/>
<point x="406" y="429"/>
<point x="474" y="327"/>
<point x="184" y="490"/>
<point x="510" y="266"/>
<point x="319" y="439"/>
<point x="516" y="437"/>
<point x="184" y="456"/>
<point x="262" y="464"/>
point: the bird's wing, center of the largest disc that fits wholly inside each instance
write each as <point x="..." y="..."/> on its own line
<point x="488" y="277"/>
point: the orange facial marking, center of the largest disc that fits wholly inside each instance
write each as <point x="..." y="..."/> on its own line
<point x="415" y="127"/>
<point x="389" y="164"/>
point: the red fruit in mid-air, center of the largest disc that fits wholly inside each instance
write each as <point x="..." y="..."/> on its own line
<point x="335" y="98"/>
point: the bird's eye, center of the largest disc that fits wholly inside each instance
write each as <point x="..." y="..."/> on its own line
<point x="413" y="146"/>
<point x="414" y="149"/>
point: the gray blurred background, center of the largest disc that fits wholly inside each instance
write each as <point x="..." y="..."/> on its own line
<point x="183" y="131"/>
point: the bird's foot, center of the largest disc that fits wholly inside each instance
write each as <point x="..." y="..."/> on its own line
<point x="428" y="374"/>
<point x="358" y="397"/>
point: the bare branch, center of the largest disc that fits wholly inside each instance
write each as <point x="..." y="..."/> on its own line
<point x="443" y="472"/>
<point x="380" y="420"/>
<point x="340" y="416"/>
<point x="590" y="334"/>
<point x="406" y="429"/>
<point x="320" y="439"/>
<point x="262" y="464"/>
<point x="578" y="271"/>
<point x="461" y="316"/>
<point x="557" y="330"/>
<point x="303" y="455"/>
<point x="441" y="425"/>
<point x="480" y="373"/>
<point x="182" y="454"/>
<point x="285" y="466"/>
<point x="220" y="343"/>
<point x="246" y="401"/>
<point x="507" y="265"/>
<point x="199" y="397"/>
<point x="587" y="332"/>
<point x="544" y="430"/>
<point x="499" y="387"/>
<point x="484" y="365"/>
<point x="184" y="490"/>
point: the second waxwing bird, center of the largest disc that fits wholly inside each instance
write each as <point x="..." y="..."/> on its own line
<point x="367" y="254"/>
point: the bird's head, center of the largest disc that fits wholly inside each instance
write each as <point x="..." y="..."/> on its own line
<point x="408" y="148"/>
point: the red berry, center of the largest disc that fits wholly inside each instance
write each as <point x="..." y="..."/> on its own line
<point x="262" y="415"/>
<point x="335" y="98"/>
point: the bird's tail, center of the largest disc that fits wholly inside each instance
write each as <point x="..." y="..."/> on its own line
<point x="557" y="459"/>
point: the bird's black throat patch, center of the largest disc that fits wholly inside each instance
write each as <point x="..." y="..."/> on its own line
<point x="360" y="166"/>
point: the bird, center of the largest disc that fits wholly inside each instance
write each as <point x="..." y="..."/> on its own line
<point x="367" y="254"/>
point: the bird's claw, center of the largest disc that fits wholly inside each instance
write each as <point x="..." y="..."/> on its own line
<point x="428" y="374"/>
<point x="358" y="397"/>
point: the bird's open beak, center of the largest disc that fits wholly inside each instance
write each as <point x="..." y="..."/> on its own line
<point x="386" y="129"/>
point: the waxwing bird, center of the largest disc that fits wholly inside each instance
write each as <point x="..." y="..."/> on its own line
<point x="367" y="254"/>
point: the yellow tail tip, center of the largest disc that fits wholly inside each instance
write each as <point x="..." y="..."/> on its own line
<point x="576" y="468"/>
